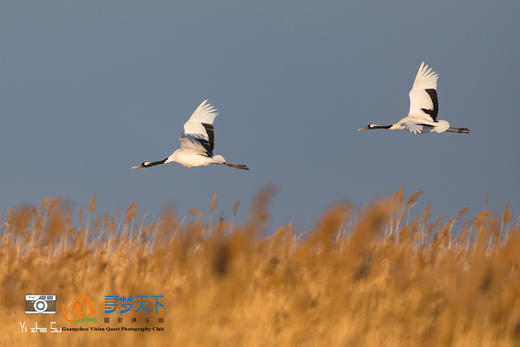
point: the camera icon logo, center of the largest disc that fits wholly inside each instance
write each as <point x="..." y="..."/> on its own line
<point x="40" y="303"/>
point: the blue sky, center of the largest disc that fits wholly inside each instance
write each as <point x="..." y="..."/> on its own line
<point x="88" y="89"/>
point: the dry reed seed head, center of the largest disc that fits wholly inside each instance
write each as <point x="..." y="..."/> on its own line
<point x="330" y="225"/>
<point x="404" y="233"/>
<point x="54" y="203"/>
<point x="70" y="232"/>
<point x="437" y="222"/>
<point x="481" y="218"/>
<point x="493" y="227"/>
<point x="55" y="225"/>
<point x="97" y="222"/>
<point x="105" y="220"/>
<point x="259" y="207"/>
<point x="416" y="226"/>
<point x="506" y="215"/>
<point x="69" y="229"/>
<point x="235" y="208"/>
<point x="43" y="204"/>
<point x="426" y="214"/>
<point x="462" y="213"/>
<point x="377" y="214"/>
<point x="9" y="214"/>
<point x="112" y="225"/>
<point x="22" y="218"/>
<point x="482" y="241"/>
<point x="511" y="245"/>
<point x="413" y="198"/>
<point x="370" y="225"/>
<point x="91" y="204"/>
<point x="213" y="204"/>
<point x="194" y="212"/>
<point x="279" y="238"/>
<point x="130" y="212"/>
<point x="168" y="225"/>
<point x="398" y="196"/>
<point x="80" y="216"/>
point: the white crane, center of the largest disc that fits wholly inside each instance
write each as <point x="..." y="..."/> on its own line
<point x="424" y="107"/>
<point x="197" y="142"/>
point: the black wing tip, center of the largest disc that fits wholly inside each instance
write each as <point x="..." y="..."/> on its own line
<point x="433" y="113"/>
<point x="209" y="144"/>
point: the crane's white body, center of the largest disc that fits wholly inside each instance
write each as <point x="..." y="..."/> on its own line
<point x="424" y="107"/>
<point x="419" y="125"/>
<point x="197" y="142"/>
<point x="191" y="158"/>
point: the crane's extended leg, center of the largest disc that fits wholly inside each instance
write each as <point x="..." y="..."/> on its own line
<point x="236" y="166"/>
<point x="458" y="130"/>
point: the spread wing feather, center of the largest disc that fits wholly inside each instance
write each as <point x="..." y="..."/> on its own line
<point x="204" y="114"/>
<point x="423" y="95"/>
<point x="199" y="133"/>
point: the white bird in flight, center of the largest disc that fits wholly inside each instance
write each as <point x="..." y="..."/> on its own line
<point x="197" y="142"/>
<point x="424" y="107"/>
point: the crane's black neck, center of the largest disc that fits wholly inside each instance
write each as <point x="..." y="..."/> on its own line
<point x="380" y="126"/>
<point x="153" y="163"/>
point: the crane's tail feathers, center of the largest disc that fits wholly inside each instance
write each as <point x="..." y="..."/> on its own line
<point x="220" y="159"/>
<point x="458" y="130"/>
<point x="237" y="166"/>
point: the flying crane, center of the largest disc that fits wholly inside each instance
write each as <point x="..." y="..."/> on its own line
<point x="424" y="108"/>
<point x="197" y="142"/>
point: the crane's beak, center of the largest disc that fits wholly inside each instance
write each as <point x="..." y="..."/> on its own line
<point x="136" y="166"/>
<point x="363" y="128"/>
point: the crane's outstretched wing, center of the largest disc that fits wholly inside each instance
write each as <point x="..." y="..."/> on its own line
<point x="416" y="128"/>
<point x="423" y="95"/>
<point x="199" y="130"/>
<point x="194" y="144"/>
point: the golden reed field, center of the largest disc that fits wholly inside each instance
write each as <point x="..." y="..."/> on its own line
<point x="371" y="276"/>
